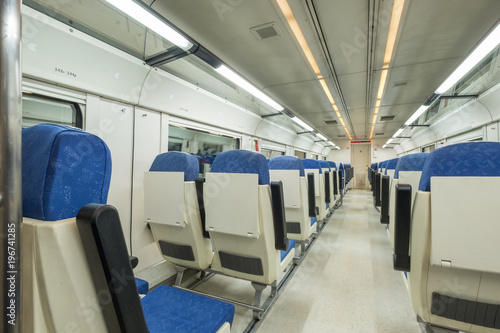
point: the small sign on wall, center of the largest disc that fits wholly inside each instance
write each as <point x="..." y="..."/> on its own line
<point x="375" y="151"/>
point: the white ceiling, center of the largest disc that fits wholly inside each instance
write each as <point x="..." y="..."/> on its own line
<point x="434" y="37"/>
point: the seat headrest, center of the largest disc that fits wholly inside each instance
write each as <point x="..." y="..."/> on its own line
<point x="412" y="162"/>
<point x="287" y="163"/>
<point x="242" y="161"/>
<point x="174" y="161"/>
<point x="325" y="165"/>
<point x="391" y="164"/>
<point x="341" y="166"/>
<point x="333" y="165"/>
<point x="63" y="169"/>
<point x="470" y="159"/>
<point x="311" y="164"/>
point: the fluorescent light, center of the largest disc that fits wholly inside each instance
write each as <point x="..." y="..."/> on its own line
<point x="299" y="36"/>
<point x="417" y="114"/>
<point x="146" y="18"/>
<point x="398" y="132"/>
<point x="333" y="144"/>
<point x="303" y="124"/>
<point x="244" y="84"/>
<point x="322" y="137"/>
<point x="397" y="12"/>
<point x="389" y="141"/>
<point x="384" y="146"/>
<point x="287" y="11"/>
<point x="486" y="46"/>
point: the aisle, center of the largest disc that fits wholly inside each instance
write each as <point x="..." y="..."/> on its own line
<point x="346" y="283"/>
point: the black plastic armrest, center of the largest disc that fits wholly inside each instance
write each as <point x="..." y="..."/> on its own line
<point x="402" y="228"/>
<point x="327" y="187"/>
<point x="311" y="195"/>
<point x="280" y="237"/>
<point x="334" y="175"/>
<point x="104" y="246"/>
<point x="341" y="181"/>
<point x="384" y="208"/>
<point x="201" y="205"/>
<point x="378" y="177"/>
<point x="134" y="261"/>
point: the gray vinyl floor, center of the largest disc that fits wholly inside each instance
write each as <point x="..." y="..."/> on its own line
<point x="345" y="284"/>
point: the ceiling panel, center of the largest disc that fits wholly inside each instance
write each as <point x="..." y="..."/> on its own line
<point x="354" y="89"/>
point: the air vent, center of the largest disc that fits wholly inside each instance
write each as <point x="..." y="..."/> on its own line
<point x="379" y="133"/>
<point x="266" y="31"/>
<point x="341" y="136"/>
<point x="387" y="118"/>
<point x="399" y="84"/>
<point x="331" y="122"/>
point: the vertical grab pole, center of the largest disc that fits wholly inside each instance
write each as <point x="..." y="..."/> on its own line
<point x="10" y="165"/>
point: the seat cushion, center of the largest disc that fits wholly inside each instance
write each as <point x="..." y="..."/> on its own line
<point x="63" y="169"/>
<point x="291" y="246"/>
<point x="175" y="161"/>
<point x="470" y="159"/>
<point x="313" y="220"/>
<point x="287" y="163"/>
<point x="142" y="286"/>
<point x="167" y="309"/>
<point x="242" y="161"/>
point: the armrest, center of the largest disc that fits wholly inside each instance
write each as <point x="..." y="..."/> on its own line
<point x="134" y="261"/>
<point x="402" y="228"/>
<point x="280" y="237"/>
<point x="104" y="245"/>
<point x="377" y="188"/>
<point x="311" y="195"/>
<point x="384" y="209"/>
<point x="334" y="175"/>
<point x="327" y="187"/>
<point x="201" y="205"/>
<point x="341" y="181"/>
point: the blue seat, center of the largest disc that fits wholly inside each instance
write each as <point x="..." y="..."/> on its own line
<point x="244" y="192"/>
<point x="173" y="208"/>
<point x="290" y="171"/>
<point x="205" y="314"/>
<point x="451" y="236"/>
<point x="327" y="173"/>
<point x="142" y="286"/>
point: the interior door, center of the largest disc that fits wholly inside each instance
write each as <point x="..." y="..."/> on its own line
<point x="360" y="157"/>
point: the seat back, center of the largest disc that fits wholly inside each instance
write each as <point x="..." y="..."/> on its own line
<point x="290" y="171"/>
<point x="314" y="166"/>
<point x="246" y="236"/>
<point x="63" y="169"/>
<point x="455" y="273"/>
<point x="171" y="207"/>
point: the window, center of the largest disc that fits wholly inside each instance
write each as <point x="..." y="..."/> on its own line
<point x="202" y="144"/>
<point x="269" y="153"/>
<point x="428" y="149"/>
<point x="44" y="110"/>
<point x="300" y="154"/>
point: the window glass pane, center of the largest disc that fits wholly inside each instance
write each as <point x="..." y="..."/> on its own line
<point x="202" y="144"/>
<point x="42" y="110"/>
<point x="300" y="154"/>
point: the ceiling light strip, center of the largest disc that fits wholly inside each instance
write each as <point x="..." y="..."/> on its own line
<point x="299" y="36"/>
<point x="397" y="12"/>
<point x="149" y="20"/>
<point x="244" y="84"/>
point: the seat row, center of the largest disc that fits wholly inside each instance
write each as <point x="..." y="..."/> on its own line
<point x="249" y="219"/>
<point x="76" y="272"/>
<point x="242" y="221"/>
<point x="443" y="225"/>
